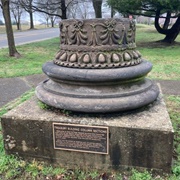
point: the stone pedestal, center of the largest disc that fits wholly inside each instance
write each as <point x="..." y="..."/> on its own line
<point x="139" y="138"/>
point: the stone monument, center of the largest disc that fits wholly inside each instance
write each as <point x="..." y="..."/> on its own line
<point x="119" y="120"/>
<point x="97" y="69"/>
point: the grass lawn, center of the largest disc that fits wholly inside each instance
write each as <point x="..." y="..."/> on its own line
<point x="33" y="56"/>
<point x="166" y="60"/>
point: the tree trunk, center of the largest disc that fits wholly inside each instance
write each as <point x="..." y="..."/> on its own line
<point x="112" y="12"/>
<point x="97" y="8"/>
<point x="9" y="30"/>
<point x="19" y="23"/>
<point x="17" y="20"/>
<point x="31" y="19"/>
<point x="52" y="22"/>
<point x="167" y="20"/>
<point x="47" y="22"/>
<point x="171" y="33"/>
<point x="18" y="26"/>
<point x="63" y="9"/>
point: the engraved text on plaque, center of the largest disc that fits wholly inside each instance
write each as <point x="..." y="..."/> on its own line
<point x="92" y="139"/>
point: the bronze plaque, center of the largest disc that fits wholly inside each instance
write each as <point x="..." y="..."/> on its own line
<point x="92" y="139"/>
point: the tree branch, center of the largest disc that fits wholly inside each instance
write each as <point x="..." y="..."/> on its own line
<point x="46" y="12"/>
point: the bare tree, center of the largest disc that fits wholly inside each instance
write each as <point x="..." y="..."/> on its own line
<point x="9" y="31"/>
<point x="49" y="11"/>
<point x="52" y="19"/>
<point x="48" y="18"/>
<point x="72" y="10"/>
<point x="27" y="5"/>
<point x="45" y="17"/>
<point x="53" y="7"/>
<point x="80" y="9"/>
<point x="84" y="9"/>
<point x="17" y="11"/>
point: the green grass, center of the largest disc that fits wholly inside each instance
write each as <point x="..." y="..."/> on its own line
<point x="33" y="56"/>
<point x="166" y="62"/>
<point x="165" y="58"/>
<point x="147" y="33"/>
<point x="173" y="103"/>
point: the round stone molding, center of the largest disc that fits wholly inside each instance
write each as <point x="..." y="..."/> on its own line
<point x="97" y="90"/>
<point x="84" y="76"/>
<point x="101" y="104"/>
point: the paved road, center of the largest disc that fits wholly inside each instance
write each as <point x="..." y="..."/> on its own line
<point x="29" y="36"/>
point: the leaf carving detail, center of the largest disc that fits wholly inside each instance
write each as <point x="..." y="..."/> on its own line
<point x="109" y="33"/>
<point x="79" y="35"/>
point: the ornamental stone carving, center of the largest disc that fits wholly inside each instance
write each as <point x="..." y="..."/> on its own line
<point x="99" y="43"/>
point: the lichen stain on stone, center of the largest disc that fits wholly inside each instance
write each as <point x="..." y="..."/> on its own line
<point x="24" y="146"/>
<point x="11" y="145"/>
<point x="10" y="142"/>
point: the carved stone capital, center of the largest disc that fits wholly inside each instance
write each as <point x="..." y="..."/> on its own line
<point x="97" y="43"/>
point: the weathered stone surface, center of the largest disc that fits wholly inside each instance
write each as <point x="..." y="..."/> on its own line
<point x="74" y="75"/>
<point x="97" y="68"/>
<point x="99" y="99"/>
<point x="97" y="39"/>
<point x="97" y="90"/>
<point x="141" y="138"/>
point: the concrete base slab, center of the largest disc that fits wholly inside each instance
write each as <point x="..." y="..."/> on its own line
<point x="140" y="138"/>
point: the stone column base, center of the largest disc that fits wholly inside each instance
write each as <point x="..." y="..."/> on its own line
<point x="97" y="90"/>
